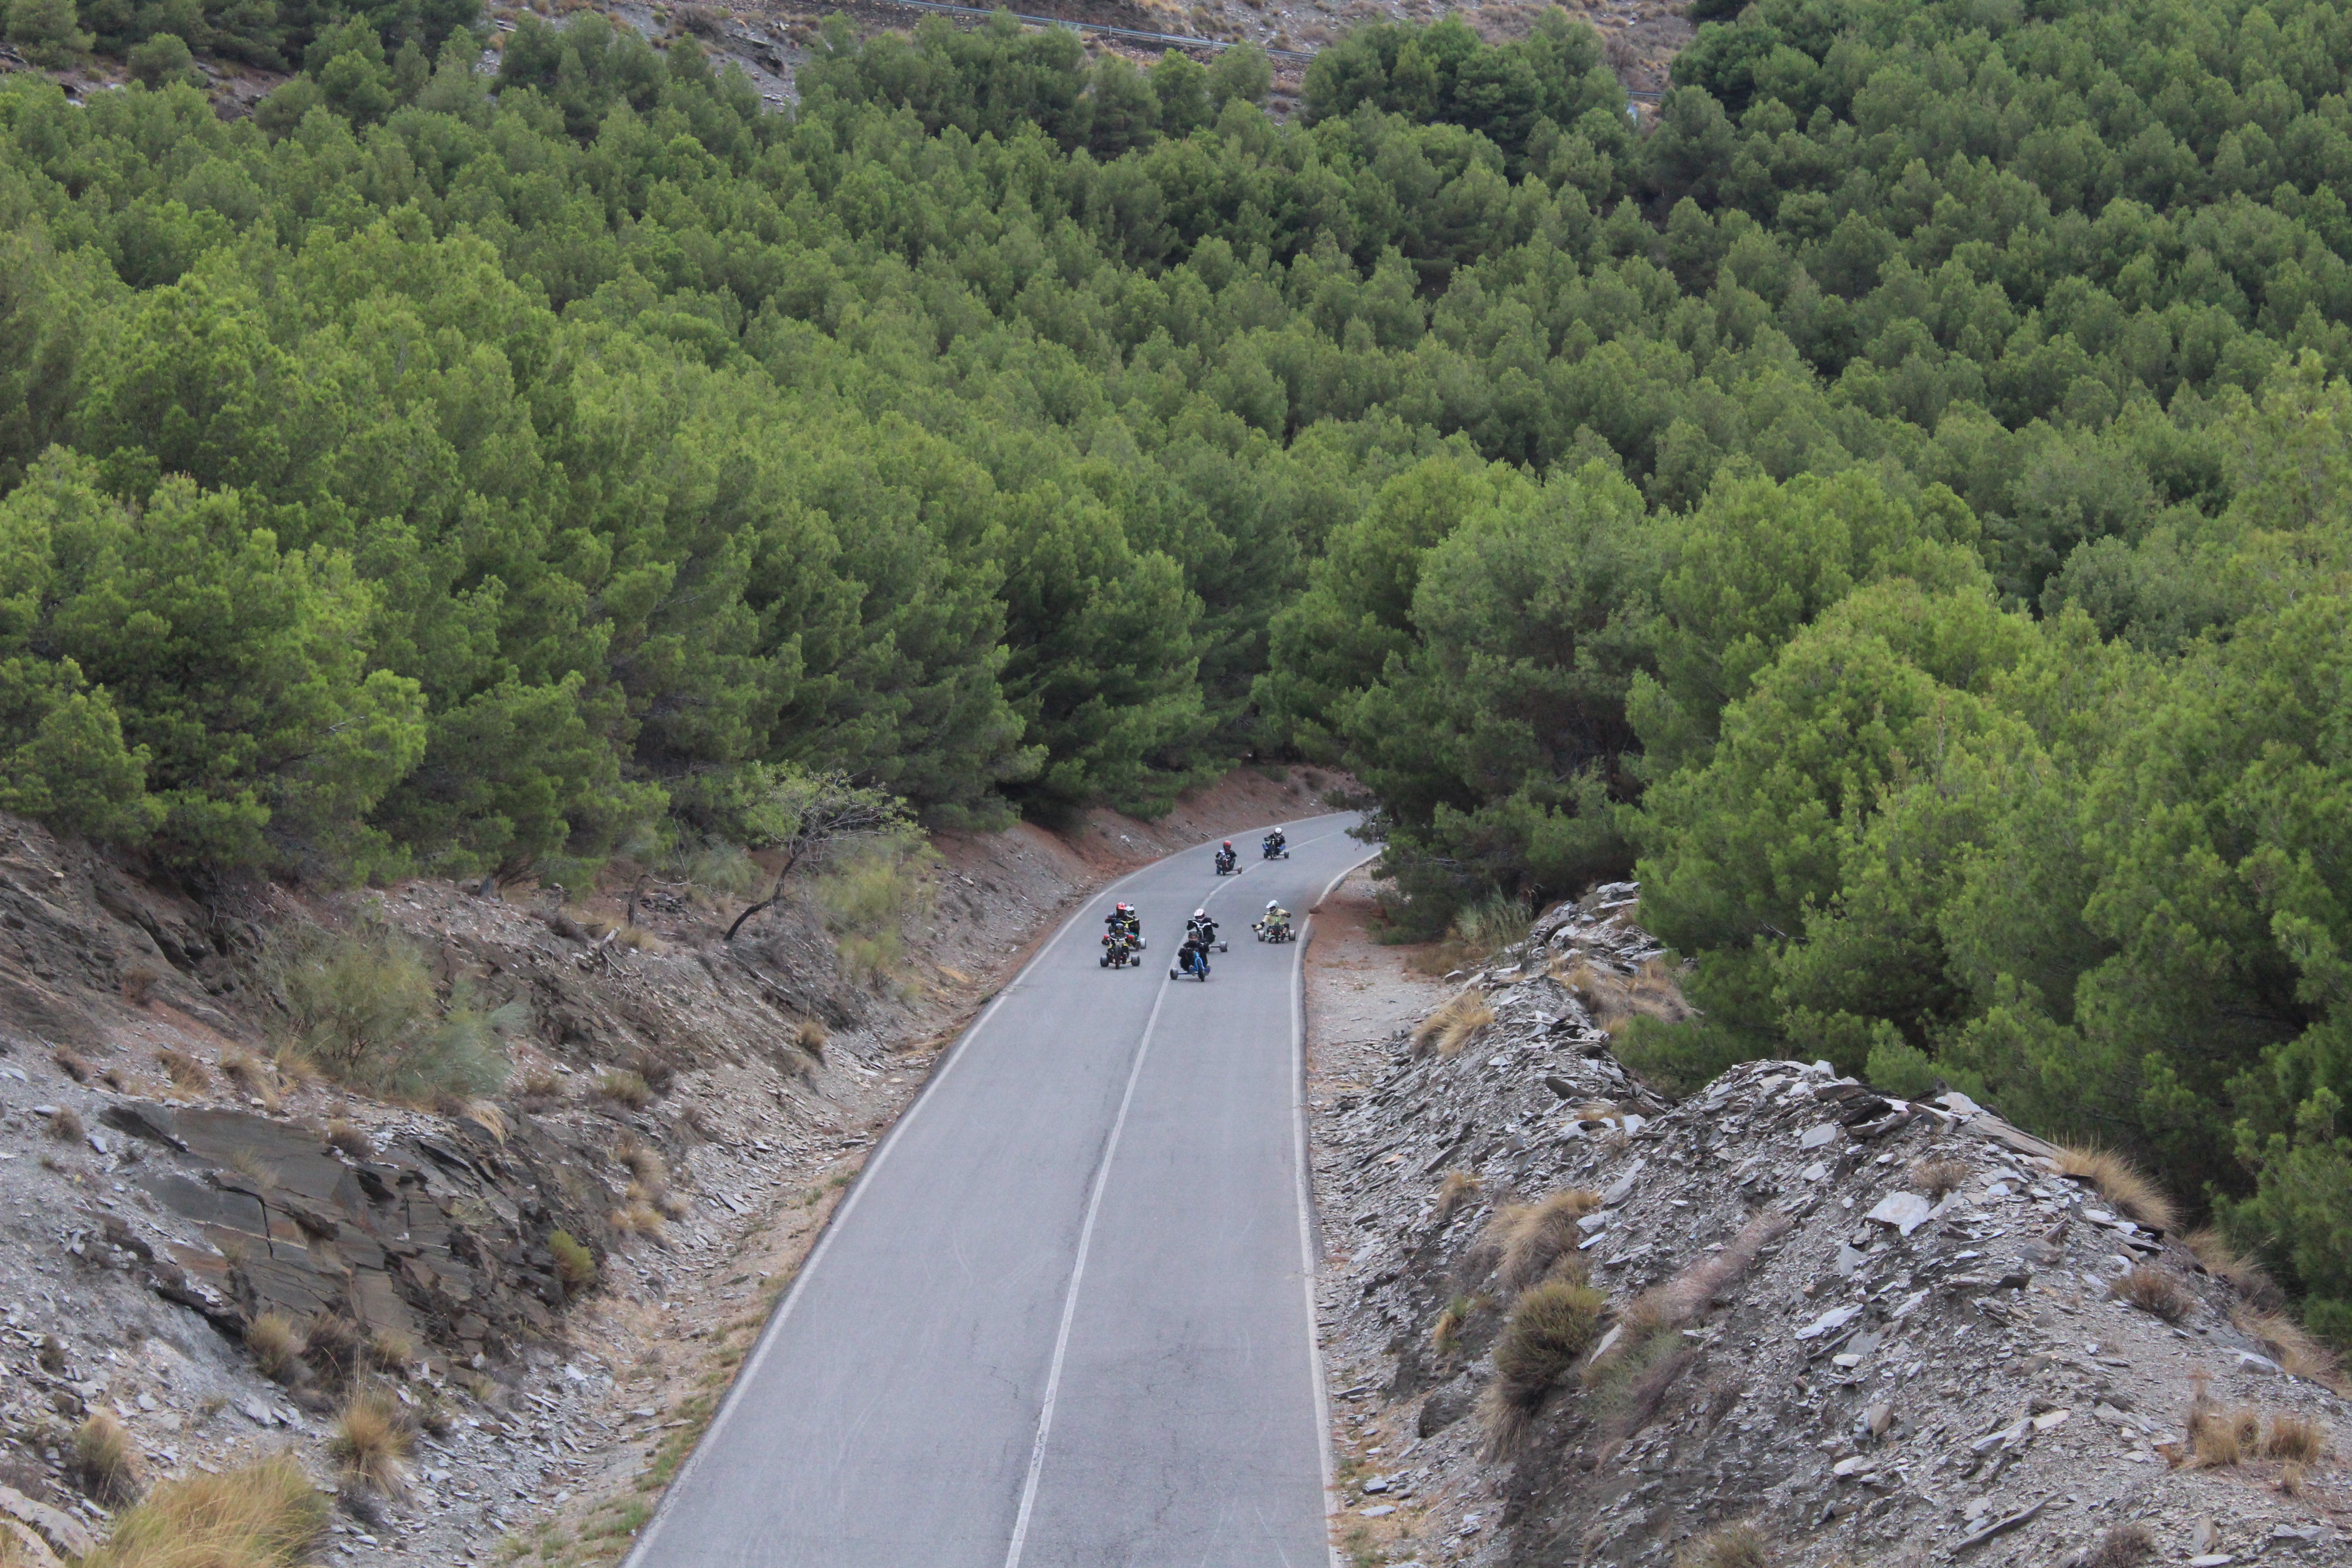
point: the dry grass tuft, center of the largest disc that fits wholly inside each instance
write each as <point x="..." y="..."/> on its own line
<point x="264" y="1515"/>
<point x="2243" y="1274"/>
<point x="1733" y="1546"/>
<point x="275" y="1349"/>
<point x="626" y="1088"/>
<point x="1458" y="1188"/>
<point x="335" y="1345"/>
<point x="186" y="1071"/>
<point x="811" y="1037"/>
<point x="2292" y="1478"/>
<point x="2220" y="1438"/>
<point x="1550" y="1327"/>
<point x="1446" y="1334"/>
<point x="348" y="1137"/>
<point x="636" y="1217"/>
<point x="2299" y="1439"/>
<point x="575" y="1264"/>
<point x="2125" y="1184"/>
<point x="104" y="1458"/>
<point x="1939" y="1178"/>
<point x="651" y="1188"/>
<point x="1529" y="1238"/>
<point x="390" y="1349"/>
<point x="65" y="1126"/>
<point x="139" y="981"/>
<point x="371" y="1440"/>
<point x="1610" y="998"/>
<point x="72" y="1066"/>
<point x="485" y="1115"/>
<point x="2293" y="1347"/>
<point x="2154" y="1289"/>
<point x="1448" y="1029"/>
<point x="2123" y="1546"/>
<point x="1685" y="1296"/>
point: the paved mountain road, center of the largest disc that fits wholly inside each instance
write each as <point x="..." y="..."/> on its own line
<point x="1063" y="1319"/>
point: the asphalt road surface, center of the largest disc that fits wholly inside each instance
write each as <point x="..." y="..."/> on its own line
<point x="1065" y="1318"/>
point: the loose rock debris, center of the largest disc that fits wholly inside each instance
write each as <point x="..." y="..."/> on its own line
<point x="1803" y="1336"/>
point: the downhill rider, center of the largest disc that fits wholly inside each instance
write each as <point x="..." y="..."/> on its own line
<point x="1275" y="846"/>
<point x="1225" y="858"/>
<point x="1274" y="925"/>
<point x="1199" y="936"/>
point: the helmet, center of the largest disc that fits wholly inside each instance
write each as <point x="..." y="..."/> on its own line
<point x="1123" y="908"/>
<point x="1271" y="906"/>
<point x="1229" y="844"/>
<point x="1199" y="914"/>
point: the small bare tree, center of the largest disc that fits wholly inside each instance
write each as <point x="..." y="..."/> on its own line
<point x="813" y="815"/>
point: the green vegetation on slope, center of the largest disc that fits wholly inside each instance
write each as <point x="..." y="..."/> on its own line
<point x="1883" y="499"/>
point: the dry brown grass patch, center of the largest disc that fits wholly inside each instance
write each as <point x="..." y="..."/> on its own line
<point x="335" y="1345"/>
<point x="2125" y="1184"/>
<point x="810" y="1037"/>
<point x="1448" y="1029"/>
<point x="2243" y="1274"/>
<point x="264" y="1515"/>
<point x="2123" y="1546"/>
<point x="371" y="1440"/>
<point x="2154" y="1289"/>
<point x="1733" y="1546"/>
<point x="1652" y="991"/>
<point x="636" y="1217"/>
<point x="104" y="1458"/>
<point x="2293" y="1347"/>
<point x="350" y="1139"/>
<point x="275" y="1347"/>
<point x="484" y="1114"/>
<point x="625" y="1088"/>
<point x="1529" y="1238"/>
<point x="186" y="1071"/>
<point x="65" y="1126"/>
<point x="1446" y="1334"/>
<point x="390" y="1349"/>
<point x="1550" y="1327"/>
<point x="2220" y="1438"/>
<point x="1939" y="1178"/>
<point x="1458" y="1188"/>
<point x="2298" y="1439"/>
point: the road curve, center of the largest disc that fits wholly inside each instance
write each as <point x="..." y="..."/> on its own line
<point x="1064" y="1317"/>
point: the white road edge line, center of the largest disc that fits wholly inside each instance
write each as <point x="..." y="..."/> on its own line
<point x="1030" y="1483"/>
<point x="1070" y="1296"/>
<point x="748" y="1372"/>
<point x="1306" y="1269"/>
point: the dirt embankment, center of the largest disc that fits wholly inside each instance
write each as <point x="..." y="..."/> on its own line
<point x="554" y="1281"/>
<point x="1790" y="1321"/>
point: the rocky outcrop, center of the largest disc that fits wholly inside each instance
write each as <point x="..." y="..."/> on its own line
<point x="1877" y="1330"/>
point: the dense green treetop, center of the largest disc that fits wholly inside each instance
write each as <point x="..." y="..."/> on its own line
<point x="1893" y="496"/>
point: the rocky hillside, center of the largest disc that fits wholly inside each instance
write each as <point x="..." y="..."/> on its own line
<point x="1790" y="1319"/>
<point x="214" y="1251"/>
